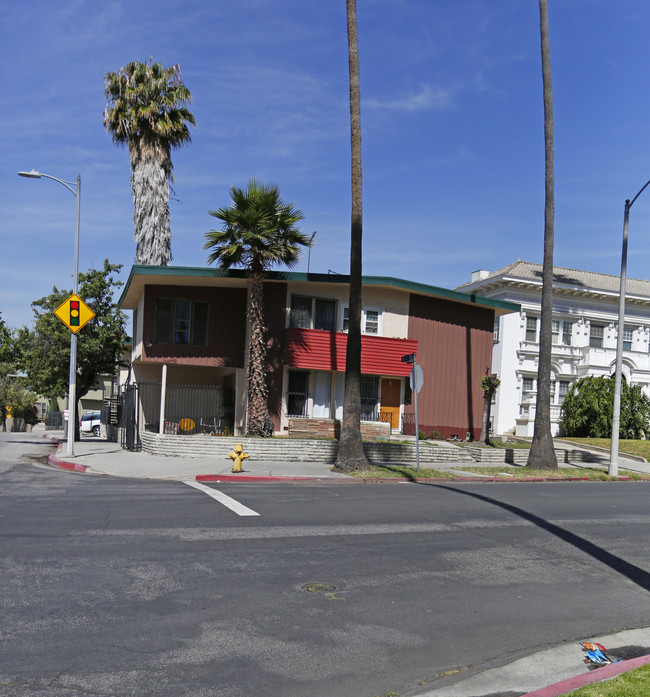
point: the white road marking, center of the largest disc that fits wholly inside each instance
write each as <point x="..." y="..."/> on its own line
<point x="230" y="503"/>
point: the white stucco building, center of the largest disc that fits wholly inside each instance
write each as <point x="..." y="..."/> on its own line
<point x="585" y="325"/>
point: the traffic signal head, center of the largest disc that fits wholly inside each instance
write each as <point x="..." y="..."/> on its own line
<point x="74" y="313"/>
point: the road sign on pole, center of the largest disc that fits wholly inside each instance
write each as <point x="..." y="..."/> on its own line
<point x="74" y="313"/>
<point x="417" y="378"/>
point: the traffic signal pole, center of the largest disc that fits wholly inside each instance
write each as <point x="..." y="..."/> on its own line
<point x="72" y="387"/>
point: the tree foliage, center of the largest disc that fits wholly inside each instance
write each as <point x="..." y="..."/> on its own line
<point x="489" y="385"/>
<point x="588" y="407"/>
<point x="13" y="392"/>
<point x="44" y="352"/>
<point x="146" y="110"/>
<point x="6" y="343"/>
<point x="15" y="395"/>
<point x="259" y="231"/>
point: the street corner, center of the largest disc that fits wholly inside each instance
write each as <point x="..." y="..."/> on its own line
<point x="54" y="461"/>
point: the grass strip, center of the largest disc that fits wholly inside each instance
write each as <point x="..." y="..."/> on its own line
<point x="634" y="683"/>
<point x="499" y="472"/>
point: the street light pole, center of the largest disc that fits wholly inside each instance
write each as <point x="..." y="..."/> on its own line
<point x="616" y="411"/>
<point x="72" y="382"/>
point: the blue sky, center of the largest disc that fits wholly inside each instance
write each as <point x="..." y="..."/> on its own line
<point x="452" y="122"/>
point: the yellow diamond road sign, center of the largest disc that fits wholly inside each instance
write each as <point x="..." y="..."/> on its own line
<point x="74" y="313"/>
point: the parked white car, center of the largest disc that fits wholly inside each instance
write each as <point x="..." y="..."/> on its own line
<point x="90" y="423"/>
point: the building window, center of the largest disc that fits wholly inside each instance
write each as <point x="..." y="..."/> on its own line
<point x="200" y="324"/>
<point x="181" y="321"/>
<point x="300" y="312"/>
<point x="555" y="331"/>
<point x="370" y="320"/>
<point x="369" y="397"/>
<point x="298" y="393"/>
<point x="497" y="326"/>
<point x="561" y="332"/>
<point x="528" y="386"/>
<point x="628" y="333"/>
<point x="596" y="334"/>
<point x="563" y="390"/>
<point x="163" y="328"/>
<point x="182" y="314"/>
<point x="531" y="329"/>
<point x="325" y="314"/>
<point x="312" y="313"/>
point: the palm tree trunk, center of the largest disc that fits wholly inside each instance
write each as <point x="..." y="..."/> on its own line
<point x="150" y="188"/>
<point x="542" y="452"/>
<point x="350" y="454"/>
<point x="259" y="420"/>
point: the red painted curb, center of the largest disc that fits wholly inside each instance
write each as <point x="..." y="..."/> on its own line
<point x="245" y="478"/>
<point x="70" y="466"/>
<point x="596" y="675"/>
<point x="249" y="478"/>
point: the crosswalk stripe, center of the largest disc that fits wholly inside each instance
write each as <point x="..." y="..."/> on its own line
<point x="222" y="498"/>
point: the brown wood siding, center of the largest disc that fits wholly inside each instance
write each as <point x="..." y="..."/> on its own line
<point x="226" y="327"/>
<point x="454" y="349"/>
<point x="275" y="300"/>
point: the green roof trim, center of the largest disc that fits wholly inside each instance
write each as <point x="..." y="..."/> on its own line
<point x="412" y="286"/>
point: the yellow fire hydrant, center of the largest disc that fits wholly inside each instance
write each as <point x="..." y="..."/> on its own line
<point x="237" y="457"/>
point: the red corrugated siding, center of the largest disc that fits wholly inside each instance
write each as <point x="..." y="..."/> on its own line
<point x="322" y="350"/>
<point x="455" y="348"/>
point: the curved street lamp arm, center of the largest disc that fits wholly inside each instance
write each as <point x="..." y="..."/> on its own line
<point x="68" y="185"/>
<point x="629" y="203"/>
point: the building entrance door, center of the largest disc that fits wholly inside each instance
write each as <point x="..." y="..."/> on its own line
<point x="390" y="394"/>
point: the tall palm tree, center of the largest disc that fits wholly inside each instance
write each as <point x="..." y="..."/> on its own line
<point x="259" y="231"/>
<point x="542" y="452"/>
<point x="350" y="454"/>
<point x="146" y="109"/>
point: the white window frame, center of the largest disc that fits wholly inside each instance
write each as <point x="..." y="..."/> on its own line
<point x="527" y="330"/>
<point x="364" y="319"/>
<point x="563" y="389"/>
<point x="598" y="341"/>
<point x="524" y="390"/>
<point x="628" y="338"/>
<point x="561" y="331"/>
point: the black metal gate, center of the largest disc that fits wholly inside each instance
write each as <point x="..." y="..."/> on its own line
<point x="130" y="418"/>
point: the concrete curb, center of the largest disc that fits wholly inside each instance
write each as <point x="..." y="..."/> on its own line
<point x="596" y="675"/>
<point x="256" y="478"/>
<point x="54" y="461"/>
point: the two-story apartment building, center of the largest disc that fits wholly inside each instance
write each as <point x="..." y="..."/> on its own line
<point x="585" y="326"/>
<point x="190" y="328"/>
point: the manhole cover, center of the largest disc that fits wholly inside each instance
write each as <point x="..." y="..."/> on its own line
<point x="320" y="587"/>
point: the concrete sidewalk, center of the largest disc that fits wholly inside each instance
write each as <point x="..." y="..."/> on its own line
<point x="101" y="457"/>
<point x="553" y="671"/>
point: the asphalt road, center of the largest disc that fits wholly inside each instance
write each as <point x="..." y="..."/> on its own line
<point x="135" y="588"/>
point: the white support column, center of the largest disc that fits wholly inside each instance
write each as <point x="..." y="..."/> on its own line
<point x="163" y="393"/>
